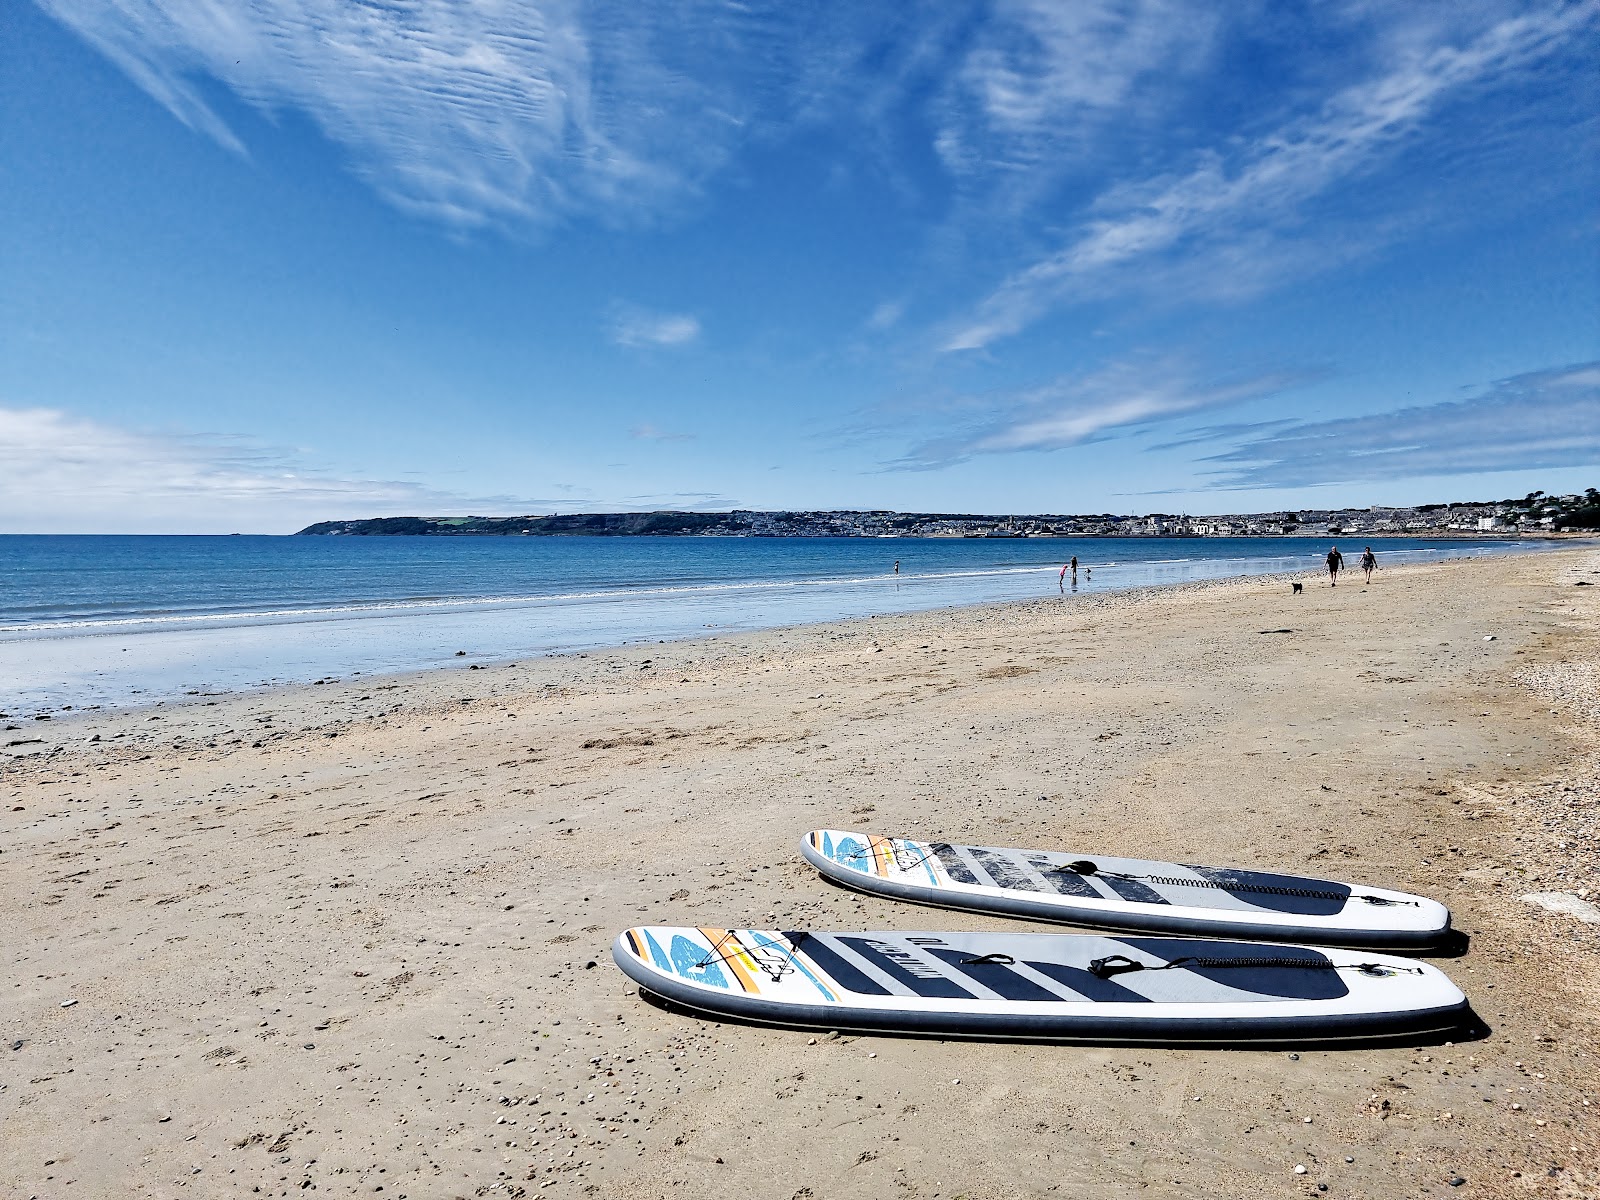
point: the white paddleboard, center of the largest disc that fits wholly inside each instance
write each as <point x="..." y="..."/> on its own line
<point x="1104" y="892"/>
<point x="1041" y="986"/>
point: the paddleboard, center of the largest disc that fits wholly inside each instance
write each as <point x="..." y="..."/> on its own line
<point x="1104" y="892"/>
<point x="1041" y="986"/>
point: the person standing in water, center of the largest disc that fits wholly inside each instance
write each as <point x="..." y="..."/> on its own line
<point x="1369" y="561"/>
<point x="1061" y="579"/>
<point x="1335" y="564"/>
<point x="897" y="566"/>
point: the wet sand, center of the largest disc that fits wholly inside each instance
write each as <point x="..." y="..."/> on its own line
<point x="352" y="938"/>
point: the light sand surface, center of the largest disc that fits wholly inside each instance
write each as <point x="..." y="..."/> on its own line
<point x="352" y="939"/>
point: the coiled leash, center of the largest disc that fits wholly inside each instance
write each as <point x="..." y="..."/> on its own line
<point x="1121" y="964"/>
<point x="1084" y="867"/>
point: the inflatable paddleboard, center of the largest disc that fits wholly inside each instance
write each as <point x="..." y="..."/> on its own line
<point x="1128" y="893"/>
<point x="1041" y="986"/>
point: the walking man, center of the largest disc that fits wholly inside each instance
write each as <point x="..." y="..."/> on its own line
<point x="1335" y="564"/>
<point x="1369" y="560"/>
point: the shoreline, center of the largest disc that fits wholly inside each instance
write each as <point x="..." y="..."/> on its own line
<point x="363" y="939"/>
<point x="238" y="653"/>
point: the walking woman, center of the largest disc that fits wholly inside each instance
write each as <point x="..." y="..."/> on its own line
<point x="1369" y="561"/>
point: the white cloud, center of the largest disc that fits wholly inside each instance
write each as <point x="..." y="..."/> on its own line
<point x="1228" y="199"/>
<point x="65" y="474"/>
<point x="636" y="327"/>
<point x="886" y="315"/>
<point x="1042" y="79"/>
<point x="470" y="112"/>
<point x="1540" y="420"/>
<point x="1072" y="410"/>
<point x="650" y="433"/>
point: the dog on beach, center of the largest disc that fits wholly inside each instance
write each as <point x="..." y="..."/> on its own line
<point x="1296" y="588"/>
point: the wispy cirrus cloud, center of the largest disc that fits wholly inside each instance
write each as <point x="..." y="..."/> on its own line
<point x="1539" y="420"/>
<point x="1251" y="197"/>
<point x="61" y="474"/>
<point x="1072" y="410"/>
<point x="1042" y="80"/>
<point x="474" y="113"/>
<point x="651" y="433"/>
<point x="636" y="328"/>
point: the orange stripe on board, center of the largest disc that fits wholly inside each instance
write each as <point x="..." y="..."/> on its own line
<point x="729" y="951"/>
<point x="882" y="854"/>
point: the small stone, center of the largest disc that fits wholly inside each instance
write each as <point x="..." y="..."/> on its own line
<point x="311" y="1046"/>
<point x="1456" y="1181"/>
<point x="1349" y="1158"/>
<point x="68" y="1003"/>
<point x="1299" y="1168"/>
<point x="17" y="1045"/>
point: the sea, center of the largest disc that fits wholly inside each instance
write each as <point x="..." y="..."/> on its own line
<point x="107" y="621"/>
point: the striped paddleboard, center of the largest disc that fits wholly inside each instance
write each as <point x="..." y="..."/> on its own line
<point x="1104" y="892"/>
<point x="1041" y="986"/>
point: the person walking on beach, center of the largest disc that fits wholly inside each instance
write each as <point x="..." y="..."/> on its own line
<point x="1369" y="561"/>
<point x="1335" y="563"/>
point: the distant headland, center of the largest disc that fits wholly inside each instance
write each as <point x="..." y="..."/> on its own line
<point x="1535" y="513"/>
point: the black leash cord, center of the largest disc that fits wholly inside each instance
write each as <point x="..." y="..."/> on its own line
<point x="1084" y="867"/>
<point x="1121" y="964"/>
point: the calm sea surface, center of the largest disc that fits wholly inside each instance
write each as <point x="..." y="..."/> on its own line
<point x="117" y="620"/>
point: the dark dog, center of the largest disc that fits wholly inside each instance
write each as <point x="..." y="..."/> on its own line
<point x="1297" y="588"/>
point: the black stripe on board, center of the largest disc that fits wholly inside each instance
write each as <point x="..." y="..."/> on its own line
<point x="1317" y="980"/>
<point x="902" y="965"/>
<point x="1068" y="883"/>
<point x="998" y="978"/>
<point x="846" y="975"/>
<point x="1132" y="889"/>
<point x="1239" y="884"/>
<point x="1091" y="987"/>
<point x="1004" y="871"/>
<point x="954" y="865"/>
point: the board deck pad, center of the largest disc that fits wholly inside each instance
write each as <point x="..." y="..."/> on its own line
<point x="1102" y="891"/>
<point x="1047" y="986"/>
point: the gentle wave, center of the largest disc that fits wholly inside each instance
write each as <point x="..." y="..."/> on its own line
<point x="452" y="603"/>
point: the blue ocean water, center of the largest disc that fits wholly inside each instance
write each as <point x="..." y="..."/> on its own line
<point x="92" y="620"/>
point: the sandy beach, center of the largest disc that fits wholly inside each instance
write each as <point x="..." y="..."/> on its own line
<point x="353" y="938"/>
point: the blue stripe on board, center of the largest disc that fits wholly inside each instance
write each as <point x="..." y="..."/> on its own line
<point x="845" y="974"/>
<point x="791" y="956"/>
<point x="894" y="960"/>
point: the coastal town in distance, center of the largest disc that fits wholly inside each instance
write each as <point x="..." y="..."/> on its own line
<point x="1533" y="515"/>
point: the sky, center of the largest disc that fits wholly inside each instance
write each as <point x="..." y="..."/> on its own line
<point x="268" y="263"/>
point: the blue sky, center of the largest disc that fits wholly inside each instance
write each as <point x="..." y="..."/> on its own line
<point x="268" y="263"/>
